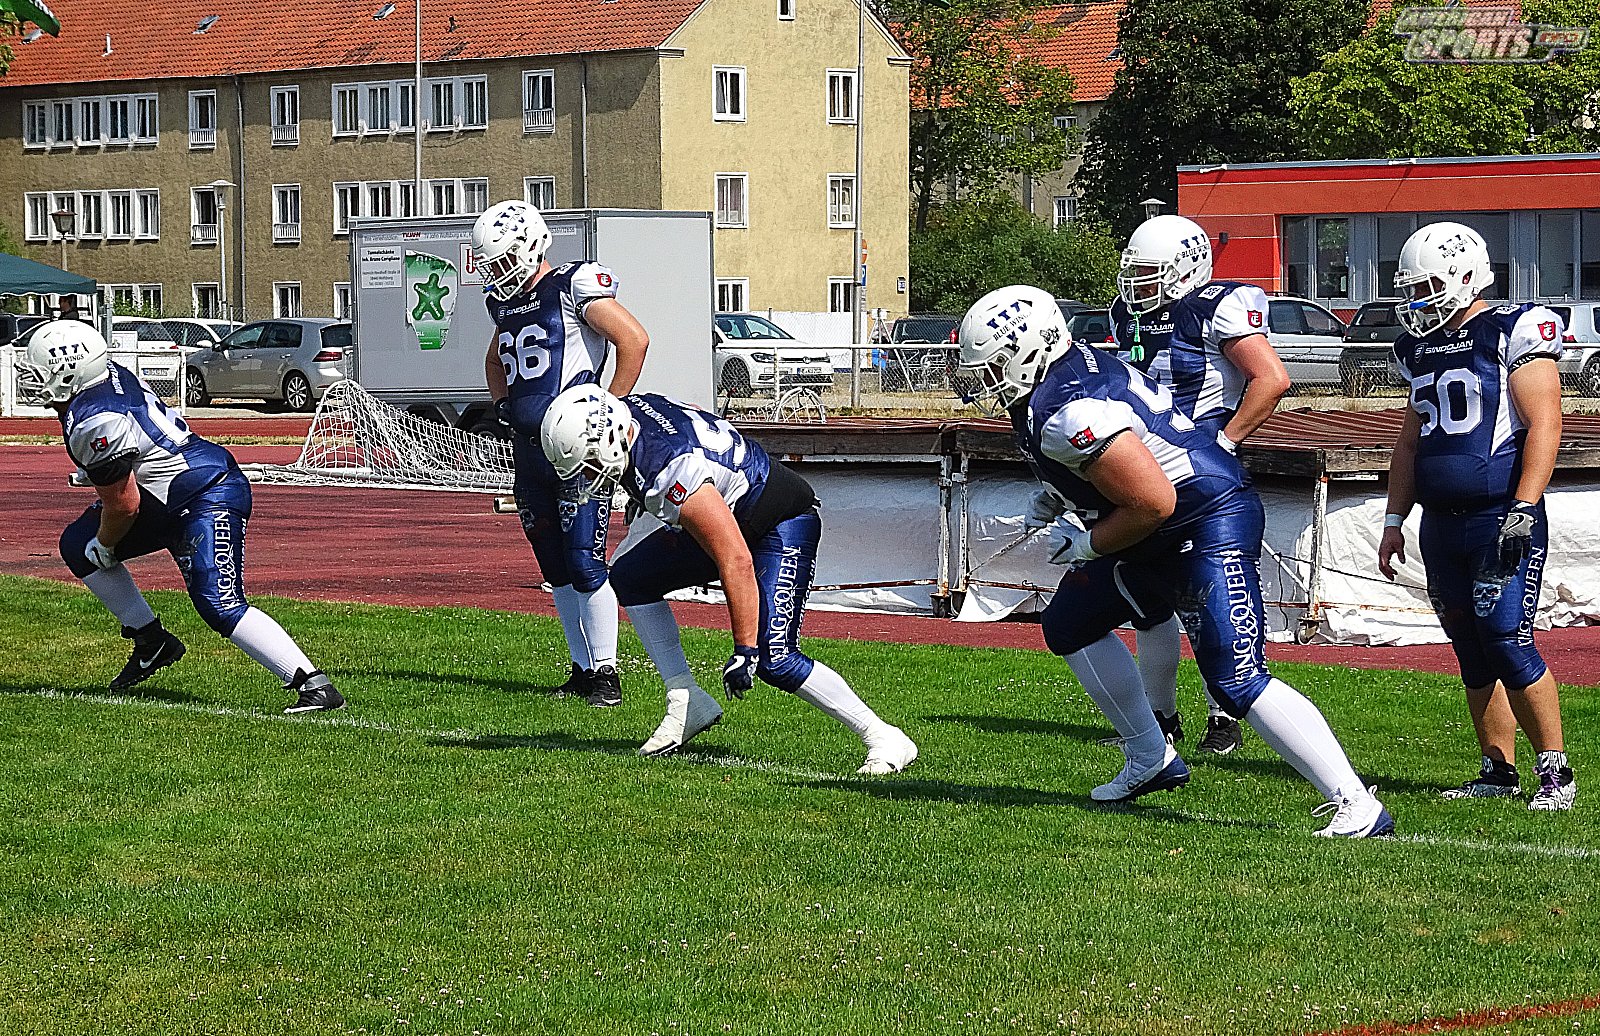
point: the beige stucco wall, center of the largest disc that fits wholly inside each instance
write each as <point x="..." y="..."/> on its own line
<point x="1057" y="183"/>
<point x="788" y="148"/>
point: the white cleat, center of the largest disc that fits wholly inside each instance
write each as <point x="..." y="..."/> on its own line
<point x="1355" y="818"/>
<point x="888" y="751"/>
<point x="1167" y="775"/>
<point x="690" y="711"/>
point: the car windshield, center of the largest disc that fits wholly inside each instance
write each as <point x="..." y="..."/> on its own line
<point x="744" y="326"/>
<point x="1376" y="316"/>
<point x="924" y="329"/>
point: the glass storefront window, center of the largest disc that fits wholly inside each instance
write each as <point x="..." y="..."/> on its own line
<point x="1495" y="229"/>
<point x="1555" y="256"/>
<point x="1296" y="254"/>
<point x="1589" y="261"/>
<point x="1392" y="234"/>
<point x="1333" y="258"/>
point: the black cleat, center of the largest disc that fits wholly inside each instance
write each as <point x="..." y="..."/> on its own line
<point x="1171" y="727"/>
<point x="1223" y="735"/>
<point x="1495" y="780"/>
<point x="577" y="685"/>
<point x="605" y="688"/>
<point x="313" y="692"/>
<point x="153" y="648"/>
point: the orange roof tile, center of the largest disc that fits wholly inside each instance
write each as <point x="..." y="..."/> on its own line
<point x="1081" y="39"/>
<point x="1383" y="7"/>
<point x="158" y="41"/>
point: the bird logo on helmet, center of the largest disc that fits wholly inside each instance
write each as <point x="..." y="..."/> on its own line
<point x="63" y="358"/>
<point x="1009" y="338"/>
<point x="509" y="243"/>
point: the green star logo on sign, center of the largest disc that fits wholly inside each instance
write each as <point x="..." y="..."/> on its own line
<point x="430" y="299"/>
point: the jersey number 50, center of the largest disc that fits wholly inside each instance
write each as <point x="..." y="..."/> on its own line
<point x="1451" y="401"/>
<point x="525" y="356"/>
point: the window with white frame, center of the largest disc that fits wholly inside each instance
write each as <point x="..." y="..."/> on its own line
<point x="346" y="111"/>
<point x="204" y="216"/>
<point x="406" y="199"/>
<point x="405" y="111"/>
<point x="727" y="94"/>
<point x="539" y="101"/>
<point x="441" y="197"/>
<point x="37" y="226"/>
<point x="346" y="206"/>
<point x="539" y="191"/>
<point x="733" y="294"/>
<point x="380" y="199"/>
<point x="841" y="201"/>
<point x="1066" y="210"/>
<point x="207" y="300"/>
<point x="202" y="118"/>
<point x="120" y="204"/>
<point x="841" y="295"/>
<point x="286" y="299"/>
<point x="1066" y="123"/>
<point x="475" y="103"/>
<point x="122" y="294"/>
<point x="441" y="105"/>
<point x="377" y="114"/>
<point x="474" y="196"/>
<point x="90" y="126"/>
<point x="786" y="10"/>
<point x="91" y="215"/>
<point x="731" y="191"/>
<point x="150" y="298"/>
<point x="285" y="213"/>
<point x="62" y="123"/>
<point x="35" y="124"/>
<point x="69" y="202"/>
<point x="119" y="120"/>
<point x="841" y="95"/>
<point x="285" y="115"/>
<point x="147" y="209"/>
<point x="146" y="123"/>
<point x="341" y="300"/>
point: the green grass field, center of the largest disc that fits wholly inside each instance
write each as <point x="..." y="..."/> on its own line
<point x="459" y="852"/>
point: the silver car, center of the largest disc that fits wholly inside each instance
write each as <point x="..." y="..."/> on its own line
<point x="1580" y="350"/>
<point x="289" y="360"/>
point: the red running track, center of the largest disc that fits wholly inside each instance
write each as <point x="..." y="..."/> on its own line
<point x="436" y="549"/>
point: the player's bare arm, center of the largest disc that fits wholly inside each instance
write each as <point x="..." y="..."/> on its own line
<point x="494" y="371"/>
<point x="1129" y="476"/>
<point x="706" y="517"/>
<point x="1265" y="383"/>
<point x="612" y="319"/>
<point x="1536" y="393"/>
<point x="119" y="506"/>
<point x="1402" y="492"/>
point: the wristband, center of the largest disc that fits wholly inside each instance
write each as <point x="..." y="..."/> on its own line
<point x="1393" y="521"/>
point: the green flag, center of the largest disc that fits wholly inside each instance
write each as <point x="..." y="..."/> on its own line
<point x="33" y="11"/>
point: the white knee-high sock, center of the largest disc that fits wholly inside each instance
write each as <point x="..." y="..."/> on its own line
<point x="828" y="692"/>
<point x="569" y="607"/>
<point x="598" y="609"/>
<point x="1158" y="665"/>
<point x="115" y="588"/>
<point x="658" y="630"/>
<point x="1107" y="672"/>
<point x="259" y="636"/>
<point x="1295" y="728"/>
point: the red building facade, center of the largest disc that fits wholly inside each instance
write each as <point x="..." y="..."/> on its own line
<point x="1332" y="231"/>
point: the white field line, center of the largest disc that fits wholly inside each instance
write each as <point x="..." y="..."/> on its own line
<point x="730" y="762"/>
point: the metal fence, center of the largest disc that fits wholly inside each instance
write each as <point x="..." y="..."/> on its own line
<point x="160" y="369"/>
<point x="813" y="382"/>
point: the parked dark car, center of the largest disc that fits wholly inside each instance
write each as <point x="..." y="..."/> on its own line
<point x="1091" y="327"/>
<point x="14" y="325"/>
<point x="1071" y="307"/>
<point x="1367" y="360"/>
<point x="913" y="369"/>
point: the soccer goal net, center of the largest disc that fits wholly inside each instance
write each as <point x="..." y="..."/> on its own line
<point x="358" y="440"/>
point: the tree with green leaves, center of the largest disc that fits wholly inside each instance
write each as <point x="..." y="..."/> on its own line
<point x="983" y="108"/>
<point x="1368" y="101"/>
<point x="976" y="245"/>
<point x="1203" y="81"/>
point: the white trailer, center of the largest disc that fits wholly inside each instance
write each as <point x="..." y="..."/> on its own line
<point x="421" y="329"/>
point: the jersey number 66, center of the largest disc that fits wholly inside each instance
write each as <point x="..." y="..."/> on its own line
<point x="525" y="356"/>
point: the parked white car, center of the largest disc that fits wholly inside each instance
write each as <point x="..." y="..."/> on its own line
<point x="751" y="355"/>
<point x="1308" y="338"/>
<point x="1580" y="354"/>
<point x="149" y="348"/>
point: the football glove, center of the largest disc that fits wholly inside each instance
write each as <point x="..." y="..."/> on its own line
<point x="100" y="555"/>
<point x="1045" y="507"/>
<point x="1516" y="535"/>
<point x="739" y="672"/>
<point x="1072" y="547"/>
<point x="502" y="412"/>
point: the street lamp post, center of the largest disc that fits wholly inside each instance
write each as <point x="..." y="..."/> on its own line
<point x="858" y="264"/>
<point x="1153" y="207"/>
<point x="64" y="219"/>
<point x="416" y="104"/>
<point x="219" y="188"/>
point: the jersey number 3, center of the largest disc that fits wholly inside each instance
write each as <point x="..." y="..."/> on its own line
<point x="1453" y="402"/>
<point x="525" y="356"/>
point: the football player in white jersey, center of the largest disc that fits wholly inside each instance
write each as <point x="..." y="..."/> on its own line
<point x="1206" y="341"/>
<point x="1477" y="450"/>
<point x="554" y="328"/>
<point x="160" y="487"/>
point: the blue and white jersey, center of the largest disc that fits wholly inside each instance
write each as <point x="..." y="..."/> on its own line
<point x="545" y="346"/>
<point x="681" y="448"/>
<point x="1140" y="337"/>
<point x="1469" y="454"/>
<point x="1205" y="383"/>
<point x="119" y="422"/>
<point x="1085" y="400"/>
